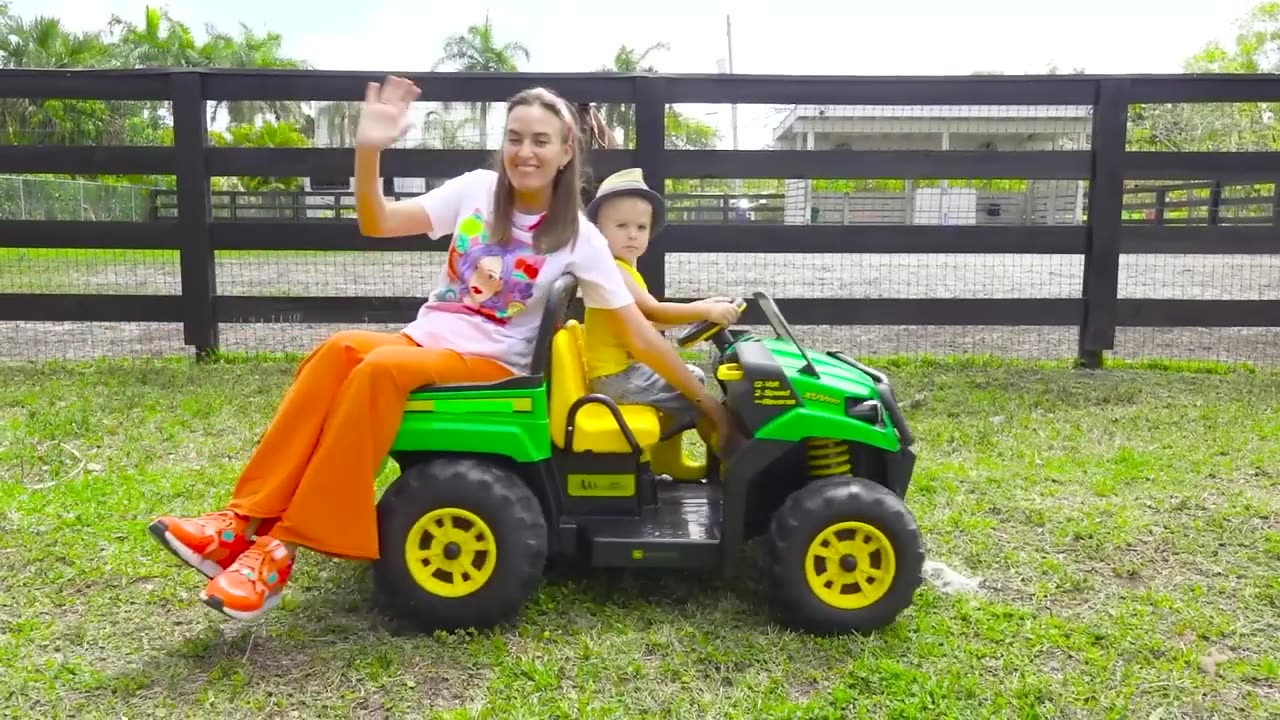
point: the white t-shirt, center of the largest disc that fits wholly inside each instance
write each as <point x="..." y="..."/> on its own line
<point x="489" y="299"/>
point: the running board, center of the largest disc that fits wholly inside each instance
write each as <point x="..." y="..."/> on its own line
<point x="681" y="531"/>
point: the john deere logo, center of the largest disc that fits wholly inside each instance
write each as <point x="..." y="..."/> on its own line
<point x="602" y="485"/>
<point x="819" y="397"/>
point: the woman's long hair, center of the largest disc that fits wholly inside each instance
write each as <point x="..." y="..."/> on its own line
<point x="559" y="227"/>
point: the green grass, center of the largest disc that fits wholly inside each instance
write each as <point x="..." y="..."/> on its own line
<point x="1125" y="523"/>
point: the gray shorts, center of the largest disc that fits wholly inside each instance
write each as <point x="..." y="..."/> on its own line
<point x="639" y="385"/>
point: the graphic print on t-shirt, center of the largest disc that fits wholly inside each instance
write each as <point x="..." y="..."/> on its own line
<point x="490" y="280"/>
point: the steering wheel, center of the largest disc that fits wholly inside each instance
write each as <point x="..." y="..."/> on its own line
<point x="706" y="329"/>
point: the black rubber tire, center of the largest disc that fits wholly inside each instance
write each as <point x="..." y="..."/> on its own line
<point x="498" y="497"/>
<point x="811" y="509"/>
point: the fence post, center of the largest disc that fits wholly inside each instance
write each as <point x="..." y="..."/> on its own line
<point x="1106" y="198"/>
<point x="650" y="114"/>
<point x="1215" y="203"/>
<point x="199" y="285"/>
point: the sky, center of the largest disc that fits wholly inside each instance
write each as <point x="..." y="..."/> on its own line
<point x="824" y="37"/>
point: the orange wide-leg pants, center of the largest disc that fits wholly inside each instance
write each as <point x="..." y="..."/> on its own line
<point x="314" y="468"/>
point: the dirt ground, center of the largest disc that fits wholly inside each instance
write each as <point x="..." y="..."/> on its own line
<point x="688" y="275"/>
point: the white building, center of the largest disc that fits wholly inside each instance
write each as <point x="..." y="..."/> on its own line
<point x="935" y="127"/>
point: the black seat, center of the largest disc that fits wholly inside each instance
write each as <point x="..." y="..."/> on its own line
<point x="554" y="315"/>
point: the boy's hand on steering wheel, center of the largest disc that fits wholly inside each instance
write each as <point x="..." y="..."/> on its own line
<point x="384" y="114"/>
<point x="722" y="313"/>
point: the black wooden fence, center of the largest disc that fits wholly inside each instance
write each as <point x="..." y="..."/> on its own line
<point x="242" y="205"/>
<point x="197" y="234"/>
<point x="1200" y="208"/>
<point x="1205" y="208"/>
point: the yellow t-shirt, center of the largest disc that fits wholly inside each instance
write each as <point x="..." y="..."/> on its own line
<point x="605" y="352"/>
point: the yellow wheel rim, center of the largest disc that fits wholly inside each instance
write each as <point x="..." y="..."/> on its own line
<point x="450" y="552"/>
<point x="849" y="565"/>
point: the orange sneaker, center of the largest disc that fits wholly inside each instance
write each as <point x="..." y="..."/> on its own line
<point x="209" y="543"/>
<point x="253" y="583"/>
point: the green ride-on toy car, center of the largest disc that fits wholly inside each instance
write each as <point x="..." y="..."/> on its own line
<point x="495" y="479"/>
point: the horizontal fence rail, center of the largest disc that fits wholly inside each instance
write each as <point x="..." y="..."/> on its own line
<point x="1118" y="219"/>
<point x="694" y="208"/>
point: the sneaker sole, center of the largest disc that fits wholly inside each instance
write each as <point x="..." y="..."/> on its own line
<point x="161" y="533"/>
<point x="215" y="602"/>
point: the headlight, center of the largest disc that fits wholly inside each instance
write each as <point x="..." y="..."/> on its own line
<point x="868" y="411"/>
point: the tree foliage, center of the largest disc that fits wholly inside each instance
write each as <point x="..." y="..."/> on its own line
<point x="682" y="132"/>
<point x="686" y="133"/>
<point x="157" y="38"/>
<point x="477" y="50"/>
<point x="1219" y="126"/>
<point x="266" y="134"/>
<point x="622" y="116"/>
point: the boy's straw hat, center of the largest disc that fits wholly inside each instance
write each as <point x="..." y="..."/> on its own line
<point x="629" y="182"/>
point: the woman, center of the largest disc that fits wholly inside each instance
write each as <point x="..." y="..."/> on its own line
<point x="310" y="481"/>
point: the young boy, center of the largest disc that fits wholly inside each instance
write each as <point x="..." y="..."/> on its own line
<point x="628" y="213"/>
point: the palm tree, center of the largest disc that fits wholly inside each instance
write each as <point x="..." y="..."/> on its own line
<point x="339" y="121"/>
<point x="160" y="41"/>
<point x="627" y="60"/>
<point x="442" y="133"/>
<point x="476" y="50"/>
<point x="43" y="42"/>
<point x="250" y="50"/>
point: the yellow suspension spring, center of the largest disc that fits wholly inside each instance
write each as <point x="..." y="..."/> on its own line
<point x="827" y="457"/>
